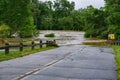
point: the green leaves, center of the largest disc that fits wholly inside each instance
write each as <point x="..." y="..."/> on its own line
<point x="113" y="17"/>
<point x="65" y="23"/>
<point x="4" y="30"/>
<point x="18" y="16"/>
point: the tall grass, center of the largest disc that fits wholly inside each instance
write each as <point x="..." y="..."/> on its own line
<point x="117" y="58"/>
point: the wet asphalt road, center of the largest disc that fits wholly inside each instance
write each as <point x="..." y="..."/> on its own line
<point x="76" y="62"/>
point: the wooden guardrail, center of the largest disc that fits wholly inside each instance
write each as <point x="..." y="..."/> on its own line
<point x="21" y="46"/>
<point x="114" y="42"/>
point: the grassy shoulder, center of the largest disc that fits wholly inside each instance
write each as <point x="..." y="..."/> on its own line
<point x="95" y="43"/>
<point x="117" y="58"/>
<point x="16" y="53"/>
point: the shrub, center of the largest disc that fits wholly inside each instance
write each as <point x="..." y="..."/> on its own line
<point x="4" y="30"/>
<point x="50" y="35"/>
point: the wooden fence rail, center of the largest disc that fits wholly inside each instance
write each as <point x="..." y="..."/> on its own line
<point x="114" y="42"/>
<point x="32" y="45"/>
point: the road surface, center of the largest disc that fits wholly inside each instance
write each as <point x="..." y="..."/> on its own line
<point x="76" y="62"/>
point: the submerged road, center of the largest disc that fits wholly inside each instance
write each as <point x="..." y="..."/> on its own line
<point x="76" y="62"/>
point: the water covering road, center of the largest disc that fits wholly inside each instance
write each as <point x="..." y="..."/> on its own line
<point x="73" y="62"/>
<point x="67" y="37"/>
<point x="64" y="37"/>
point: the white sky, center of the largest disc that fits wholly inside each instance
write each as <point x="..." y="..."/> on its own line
<point x="85" y="3"/>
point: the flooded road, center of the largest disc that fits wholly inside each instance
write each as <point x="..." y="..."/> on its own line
<point x="75" y="62"/>
<point x="64" y="37"/>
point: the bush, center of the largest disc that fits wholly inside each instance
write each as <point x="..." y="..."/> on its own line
<point x="89" y="34"/>
<point x="4" y="30"/>
<point x="50" y="35"/>
<point x="28" y="31"/>
<point x="103" y="35"/>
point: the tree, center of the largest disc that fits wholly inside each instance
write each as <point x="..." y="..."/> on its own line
<point x="3" y="10"/>
<point x="44" y="18"/>
<point x="17" y="15"/>
<point x="62" y="8"/>
<point x="4" y="30"/>
<point x="65" y="23"/>
<point x="113" y="17"/>
<point x="35" y="11"/>
<point x="78" y="19"/>
<point x="94" y="22"/>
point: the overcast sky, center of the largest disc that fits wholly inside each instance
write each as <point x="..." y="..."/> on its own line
<point x="85" y="3"/>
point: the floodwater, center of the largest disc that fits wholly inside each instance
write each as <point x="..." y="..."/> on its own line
<point x="64" y="37"/>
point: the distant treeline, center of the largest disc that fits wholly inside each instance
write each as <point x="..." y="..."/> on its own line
<point x="61" y="15"/>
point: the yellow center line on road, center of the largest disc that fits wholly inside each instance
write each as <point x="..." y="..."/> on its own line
<point x="35" y="70"/>
<point x="42" y="67"/>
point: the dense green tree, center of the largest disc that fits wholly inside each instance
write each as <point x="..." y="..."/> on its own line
<point x="65" y="23"/>
<point x="94" y="22"/>
<point x="113" y="17"/>
<point x="63" y="8"/>
<point x="17" y="14"/>
<point x="78" y="19"/>
<point x="22" y="15"/>
<point x="4" y="31"/>
<point x="35" y="10"/>
<point x="44" y="19"/>
<point x="3" y="10"/>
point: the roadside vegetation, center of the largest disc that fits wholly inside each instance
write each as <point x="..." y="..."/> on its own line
<point x="117" y="58"/>
<point x="16" y="53"/>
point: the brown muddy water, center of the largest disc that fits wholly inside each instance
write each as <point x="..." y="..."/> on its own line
<point x="67" y="37"/>
<point x="64" y="37"/>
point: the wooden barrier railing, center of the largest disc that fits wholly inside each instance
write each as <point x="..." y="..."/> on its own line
<point x="21" y="46"/>
<point x="114" y="42"/>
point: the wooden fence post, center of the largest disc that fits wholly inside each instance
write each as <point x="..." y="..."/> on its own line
<point x="47" y="43"/>
<point x="33" y="45"/>
<point x="21" y="47"/>
<point x="40" y="43"/>
<point x="54" y="43"/>
<point x="6" y="48"/>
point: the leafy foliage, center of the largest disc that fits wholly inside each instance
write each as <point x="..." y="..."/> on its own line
<point x="50" y="35"/>
<point x="18" y="16"/>
<point x="113" y="17"/>
<point x="4" y="30"/>
<point x="23" y="15"/>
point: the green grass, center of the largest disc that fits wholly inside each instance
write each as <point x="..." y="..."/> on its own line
<point x="16" y="53"/>
<point x="117" y="58"/>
